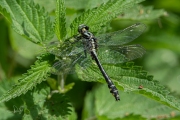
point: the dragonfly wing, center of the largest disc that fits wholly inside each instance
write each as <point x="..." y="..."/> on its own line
<point x="67" y="65"/>
<point x="65" y="49"/>
<point x="122" y="36"/>
<point x="57" y="68"/>
<point x="132" y="52"/>
<point x="74" y="50"/>
<point x="120" y="54"/>
<point x="53" y="47"/>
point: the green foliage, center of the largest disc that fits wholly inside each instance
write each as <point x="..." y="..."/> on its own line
<point x="5" y="13"/>
<point x="60" y="26"/>
<point x="32" y="98"/>
<point x="38" y="73"/>
<point x="28" y="20"/>
<point x="130" y="78"/>
<point x="36" y="104"/>
<point x="11" y="108"/>
<point x="100" y="16"/>
<point x="139" y="12"/>
<point x="133" y="104"/>
<point x="164" y="40"/>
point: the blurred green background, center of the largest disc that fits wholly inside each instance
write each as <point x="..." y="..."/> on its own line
<point x="161" y="40"/>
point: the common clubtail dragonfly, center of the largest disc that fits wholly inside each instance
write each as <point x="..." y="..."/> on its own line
<point x="109" y="45"/>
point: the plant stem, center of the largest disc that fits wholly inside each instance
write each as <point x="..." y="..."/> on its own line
<point x="61" y="81"/>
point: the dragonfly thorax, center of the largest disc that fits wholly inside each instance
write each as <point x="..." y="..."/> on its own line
<point x="89" y="39"/>
<point x="83" y="28"/>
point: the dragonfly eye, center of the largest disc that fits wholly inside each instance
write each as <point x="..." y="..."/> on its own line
<point x="82" y="28"/>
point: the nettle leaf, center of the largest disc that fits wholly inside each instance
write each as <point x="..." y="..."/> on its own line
<point x="139" y="12"/>
<point x="58" y="105"/>
<point x="36" y="104"/>
<point x="82" y="4"/>
<point x="163" y="39"/>
<point x="131" y="105"/>
<point x="5" y="13"/>
<point x="29" y="20"/>
<point x="60" y="24"/>
<point x="38" y="73"/>
<point x="12" y="108"/>
<point x="88" y="107"/>
<point x="131" y="79"/>
<point x="99" y="16"/>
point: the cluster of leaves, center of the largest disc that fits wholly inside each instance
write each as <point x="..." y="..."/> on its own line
<point x="31" y="91"/>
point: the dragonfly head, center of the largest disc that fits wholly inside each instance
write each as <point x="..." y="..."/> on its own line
<point x="82" y="28"/>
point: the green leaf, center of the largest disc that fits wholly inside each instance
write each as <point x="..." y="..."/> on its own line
<point x="67" y="87"/>
<point x="99" y="16"/>
<point x="5" y="13"/>
<point x="130" y="78"/>
<point x="73" y="115"/>
<point x="26" y="49"/>
<point x="106" y="107"/>
<point x="60" y="24"/>
<point x="55" y="86"/>
<point x="89" y="107"/>
<point x="29" y="20"/>
<point x="13" y="108"/>
<point x="127" y="117"/>
<point x="132" y="116"/>
<point x="49" y="5"/>
<point x="164" y="39"/>
<point x="58" y="105"/>
<point x="37" y="105"/>
<point x="139" y="12"/>
<point x="82" y="4"/>
<point x="38" y="73"/>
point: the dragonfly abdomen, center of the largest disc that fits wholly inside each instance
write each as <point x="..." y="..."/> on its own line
<point x="93" y="46"/>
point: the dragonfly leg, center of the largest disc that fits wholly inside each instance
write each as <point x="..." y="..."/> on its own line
<point x="85" y="53"/>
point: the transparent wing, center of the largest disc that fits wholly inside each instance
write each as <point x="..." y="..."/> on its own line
<point x="131" y="52"/>
<point x="66" y="49"/>
<point x="122" y="36"/>
<point x="120" y="54"/>
<point x="69" y="53"/>
<point x="59" y="67"/>
<point x="53" y="47"/>
<point x="67" y="65"/>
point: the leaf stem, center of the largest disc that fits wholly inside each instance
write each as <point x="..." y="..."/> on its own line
<point x="61" y="81"/>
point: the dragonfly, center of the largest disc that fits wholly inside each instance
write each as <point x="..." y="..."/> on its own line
<point x="109" y="48"/>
